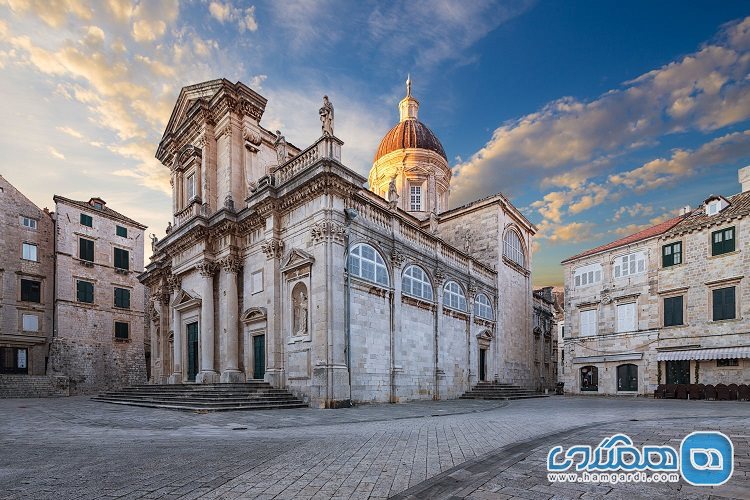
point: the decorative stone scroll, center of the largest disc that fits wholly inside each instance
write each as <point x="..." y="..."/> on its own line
<point x="327" y="230"/>
<point x="439" y="277"/>
<point x="273" y="248"/>
<point x="251" y="136"/>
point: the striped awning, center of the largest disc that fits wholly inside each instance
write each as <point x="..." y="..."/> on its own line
<point x="701" y="354"/>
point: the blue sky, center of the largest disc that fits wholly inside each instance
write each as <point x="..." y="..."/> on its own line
<point x="595" y="118"/>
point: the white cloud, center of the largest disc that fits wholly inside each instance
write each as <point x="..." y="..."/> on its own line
<point x="71" y="132"/>
<point x="56" y="153"/>
<point x="225" y="12"/>
<point x="569" y="138"/>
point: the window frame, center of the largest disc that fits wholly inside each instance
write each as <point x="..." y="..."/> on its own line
<point x="415" y="197"/>
<point x="595" y="270"/>
<point x="38" y="291"/>
<point x="478" y="307"/>
<point x="81" y="256"/>
<point x="127" y="295"/>
<point x="622" y="269"/>
<point x="114" y="330"/>
<point x="33" y="226"/>
<point x="626" y="367"/>
<point x="190" y="192"/>
<point x="24" y="315"/>
<point x="121" y="229"/>
<point x="721" y="247"/>
<point x="728" y="363"/>
<point x="458" y="294"/>
<point x="377" y="263"/>
<point x="86" y="220"/>
<point x="115" y="251"/>
<point x="85" y="293"/>
<point x="509" y="247"/>
<point x="672" y="254"/>
<point x="581" y="323"/>
<point x="681" y="310"/>
<point x="593" y="386"/>
<point x="725" y="309"/>
<point x="26" y="244"/>
<point x="424" y="282"/>
<point x="619" y="323"/>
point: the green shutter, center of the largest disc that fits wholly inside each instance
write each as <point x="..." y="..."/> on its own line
<point x="729" y="309"/>
<point x="122" y="231"/>
<point x="122" y="258"/>
<point x="665" y="259"/>
<point x="87" y="220"/>
<point x="718" y="304"/>
<point x="86" y="249"/>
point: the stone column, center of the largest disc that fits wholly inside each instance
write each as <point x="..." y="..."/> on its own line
<point x="230" y="331"/>
<point x="166" y="369"/>
<point x="176" y="377"/>
<point x="207" y="373"/>
<point x="274" y="250"/>
<point x="473" y="372"/>
<point x="154" y="320"/>
<point x="397" y="259"/>
<point x="439" y="374"/>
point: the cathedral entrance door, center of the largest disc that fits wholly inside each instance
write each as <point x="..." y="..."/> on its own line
<point x="192" y="351"/>
<point x="482" y="364"/>
<point x="259" y="356"/>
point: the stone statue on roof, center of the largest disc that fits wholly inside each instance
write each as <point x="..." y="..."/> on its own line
<point x="326" y="116"/>
<point x="281" y="148"/>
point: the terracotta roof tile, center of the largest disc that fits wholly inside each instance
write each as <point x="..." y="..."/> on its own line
<point x="739" y="206"/>
<point x="644" y="234"/>
<point x="409" y="133"/>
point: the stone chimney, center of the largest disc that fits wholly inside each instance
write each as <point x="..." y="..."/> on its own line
<point x="685" y="210"/>
<point x="744" y="175"/>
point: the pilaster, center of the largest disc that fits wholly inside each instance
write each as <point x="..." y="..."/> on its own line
<point x="230" y="373"/>
<point x="207" y="373"/>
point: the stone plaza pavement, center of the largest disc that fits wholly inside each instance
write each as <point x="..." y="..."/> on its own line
<point x="78" y="448"/>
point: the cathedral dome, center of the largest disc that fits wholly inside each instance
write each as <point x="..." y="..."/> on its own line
<point x="409" y="133"/>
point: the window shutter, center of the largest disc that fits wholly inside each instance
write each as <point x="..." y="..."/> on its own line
<point x="718" y="304"/>
<point x="729" y="309"/>
<point x="668" y="312"/>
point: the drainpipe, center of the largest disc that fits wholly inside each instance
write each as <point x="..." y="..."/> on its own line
<point x="349" y="215"/>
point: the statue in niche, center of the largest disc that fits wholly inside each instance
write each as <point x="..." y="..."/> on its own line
<point x="154" y="240"/>
<point x="392" y="193"/>
<point x="299" y="310"/>
<point x="326" y="116"/>
<point x="281" y="148"/>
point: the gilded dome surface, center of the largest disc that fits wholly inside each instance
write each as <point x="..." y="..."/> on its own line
<point x="409" y="133"/>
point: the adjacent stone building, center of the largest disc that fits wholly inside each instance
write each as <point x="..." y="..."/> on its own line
<point x="99" y="302"/>
<point x="669" y="304"/>
<point x="545" y="339"/>
<point x="279" y="264"/>
<point x="26" y="289"/>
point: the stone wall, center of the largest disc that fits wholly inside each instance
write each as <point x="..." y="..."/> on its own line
<point x="33" y="386"/>
<point x="13" y="268"/>
<point x="84" y="347"/>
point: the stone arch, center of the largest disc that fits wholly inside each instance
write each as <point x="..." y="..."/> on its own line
<point x="355" y="260"/>
<point x="511" y="235"/>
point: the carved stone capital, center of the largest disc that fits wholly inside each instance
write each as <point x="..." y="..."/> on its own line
<point x="231" y="264"/>
<point x="174" y="282"/>
<point x="206" y="268"/>
<point x="439" y="276"/>
<point x="397" y="258"/>
<point x="225" y="130"/>
<point x="327" y="230"/>
<point x="273" y="248"/>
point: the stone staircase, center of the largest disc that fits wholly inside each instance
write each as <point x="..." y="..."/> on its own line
<point x="253" y="395"/>
<point x="495" y="390"/>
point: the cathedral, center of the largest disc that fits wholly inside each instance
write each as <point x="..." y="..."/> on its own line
<point x="286" y="265"/>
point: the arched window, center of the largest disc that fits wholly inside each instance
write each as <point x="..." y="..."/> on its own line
<point x="365" y="262"/>
<point x="589" y="378"/>
<point x="512" y="248"/>
<point x="453" y="296"/>
<point x="482" y="307"/>
<point x="627" y="377"/>
<point x="416" y="283"/>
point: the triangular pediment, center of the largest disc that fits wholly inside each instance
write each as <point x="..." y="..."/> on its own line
<point x="188" y="95"/>
<point x="184" y="299"/>
<point x="485" y="335"/>
<point x="253" y="314"/>
<point x="297" y="258"/>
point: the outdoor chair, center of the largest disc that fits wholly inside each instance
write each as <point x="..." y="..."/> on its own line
<point x="696" y="391"/>
<point x="659" y="391"/>
<point x="682" y="391"/>
<point x="669" y="391"/>
<point x="722" y="392"/>
<point x="710" y="392"/>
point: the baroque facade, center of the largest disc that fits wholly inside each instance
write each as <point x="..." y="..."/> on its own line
<point x="669" y="304"/>
<point x="280" y="265"/>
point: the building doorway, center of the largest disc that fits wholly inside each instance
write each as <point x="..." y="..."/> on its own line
<point x="627" y="377"/>
<point x="192" y="351"/>
<point x="482" y="364"/>
<point x="678" y="372"/>
<point x="259" y="357"/>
